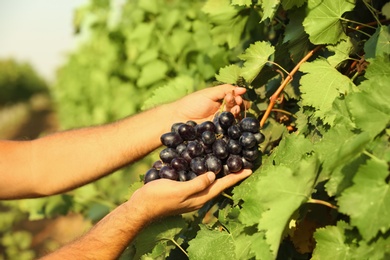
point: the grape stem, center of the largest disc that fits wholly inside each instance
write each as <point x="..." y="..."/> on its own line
<point x="322" y="202"/>
<point x="275" y="96"/>
<point x="226" y="195"/>
<point x="173" y="241"/>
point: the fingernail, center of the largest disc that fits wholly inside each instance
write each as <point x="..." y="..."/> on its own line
<point x="211" y="176"/>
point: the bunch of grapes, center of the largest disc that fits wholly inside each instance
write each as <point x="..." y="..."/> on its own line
<point x="222" y="146"/>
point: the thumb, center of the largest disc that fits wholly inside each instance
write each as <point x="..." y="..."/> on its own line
<point x="199" y="183"/>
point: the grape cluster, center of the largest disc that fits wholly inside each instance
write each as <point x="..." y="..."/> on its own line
<point x="222" y="146"/>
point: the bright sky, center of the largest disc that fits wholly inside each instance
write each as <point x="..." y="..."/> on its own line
<point x="37" y="31"/>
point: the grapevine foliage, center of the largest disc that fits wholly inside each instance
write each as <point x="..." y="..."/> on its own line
<point x="322" y="190"/>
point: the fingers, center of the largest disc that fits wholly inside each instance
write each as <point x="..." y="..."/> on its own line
<point x="218" y="186"/>
<point x="219" y="92"/>
<point x="229" y="180"/>
<point x="199" y="184"/>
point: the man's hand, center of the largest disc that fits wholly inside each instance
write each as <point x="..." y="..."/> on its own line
<point x="165" y="197"/>
<point x="202" y="105"/>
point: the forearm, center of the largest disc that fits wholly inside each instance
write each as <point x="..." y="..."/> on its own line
<point x="69" y="159"/>
<point x="107" y="239"/>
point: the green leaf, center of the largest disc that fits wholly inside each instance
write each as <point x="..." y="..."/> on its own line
<point x="255" y="57"/>
<point x="210" y="244"/>
<point x="242" y="2"/>
<point x="229" y="74"/>
<point x="269" y="9"/>
<point x="177" y="88"/>
<point x="288" y="4"/>
<point x="159" y="232"/>
<point x="330" y="243"/>
<point x="341" y="51"/>
<point x="367" y="202"/>
<point x="290" y="190"/>
<point x="321" y="85"/>
<point x="295" y="35"/>
<point x="323" y="21"/>
<point x="152" y="72"/>
<point x="379" y="43"/>
<point x="370" y="109"/>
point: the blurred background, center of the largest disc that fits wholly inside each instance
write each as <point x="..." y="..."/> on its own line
<point x="75" y="63"/>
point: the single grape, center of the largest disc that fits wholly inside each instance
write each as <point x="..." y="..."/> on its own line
<point x="151" y="175"/>
<point x="191" y="123"/>
<point x="234" y="147"/>
<point x="181" y="147"/>
<point x="205" y="126"/>
<point x="250" y="154"/>
<point x="234" y="163"/>
<point x="158" y="164"/>
<point x="208" y="137"/>
<point x="167" y="172"/>
<point x="247" y="164"/>
<point x="234" y="131"/>
<point x="220" y="149"/>
<point x="179" y="164"/>
<point x="213" y="164"/>
<point x="259" y="137"/>
<point x="226" y="119"/>
<point x="171" y="139"/>
<point x="218" y="128"/>
<point x="167" y="154"/>
<point x="247" y="140"/>
<point x="250" y="124"/>
<point x="186" y="155"/>
<point x="187" y="132"/>
<point x="175" y="127"/>
<point x="191" y="175"/>
<point x="198" y="166"/>
<point x="194" y="148"/>
<point x="183" y="175"/>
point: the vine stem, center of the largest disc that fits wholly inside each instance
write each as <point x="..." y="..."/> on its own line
<point x="325" y="203"/>
<point x="275" y="96"/>
<point x="173" y="241"/>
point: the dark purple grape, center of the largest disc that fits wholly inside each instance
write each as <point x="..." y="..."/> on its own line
<point x="234" y="131"/>
<point x="171" y="139"/>
<point x="205" y="126"/>
<point x="234" y="147"/>
<point x="247" y="140"/>
<point x="225" y="170"/>
<point x="179" y="164"/>
<point x="191" y="175"/>
<point x="187" y="132"/>
<point x="167" y="154"/>
<point x="247" y="164"/>
<point x="181" y="147"/>
<point x="191" y="123"/>
<point x="151" y="175"/>
<point x="183" y="176"/>
<point x="250" y="124"/>
<point x="208" y="137"/>
<point x="198" y="166"/>
<point x="158" y="164"/>
<point x="226" y="119"/>
<point x="234" y="163"/>
<point x="186" y="155"/>
<point x="250" y="154"/>
<point x="194" y="148"/>
<point x="220" y="149"/>
<point x="213" y="164"/>
<point x="167" y="172"/>
<point x="219" y="129"/>
<point x="175" y="127"/>
<point x="259" y="137"/>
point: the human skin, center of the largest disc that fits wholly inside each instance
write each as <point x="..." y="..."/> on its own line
<point x="66" y="160"/>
